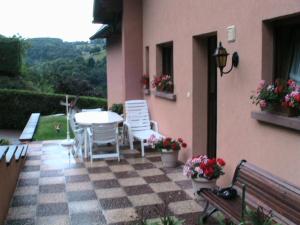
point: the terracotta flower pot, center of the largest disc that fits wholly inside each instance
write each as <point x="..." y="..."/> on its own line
<point x="199" y="183"/>
<point x="169" y="158"/>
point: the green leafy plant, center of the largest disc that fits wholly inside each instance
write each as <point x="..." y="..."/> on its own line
<point x="258" y="217"/>
<point x="4" y="141"/>
<point x="117" y="108"/>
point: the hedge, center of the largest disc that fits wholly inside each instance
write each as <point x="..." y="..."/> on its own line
<point x="17" y="105"/>
<point x="10" y="56"/>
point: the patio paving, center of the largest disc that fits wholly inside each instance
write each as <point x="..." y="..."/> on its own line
<point x="54" y="188"/>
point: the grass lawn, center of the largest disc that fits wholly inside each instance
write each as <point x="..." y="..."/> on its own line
<point x="46" y="128"/>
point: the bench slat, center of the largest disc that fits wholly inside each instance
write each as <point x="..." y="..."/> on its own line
<point x="30" y="127"/>
<point x="231" y="208"/>
<point x="3" y="150"/>
<point x="10" y="153"/>
<point x="24" y="151"/>
<point x="18" y="152"/>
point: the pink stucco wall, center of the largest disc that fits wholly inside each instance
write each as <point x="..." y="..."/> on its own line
<point x="115" y="78"/>
<point x="239" y="136"/>
<point x="125" y="56"/>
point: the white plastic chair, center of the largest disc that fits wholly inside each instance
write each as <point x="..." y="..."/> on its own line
<point x="92" y="110"/>
<point x="138" y="123"/>
<point x="101" y="135"/>
<point x="78" y="134"/>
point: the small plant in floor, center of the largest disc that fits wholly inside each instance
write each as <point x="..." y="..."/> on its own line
<point x="164" y="218"/>
<point x="4" y="141"/>
<point x="258" y="217"/>
<point x="252" y="217"/>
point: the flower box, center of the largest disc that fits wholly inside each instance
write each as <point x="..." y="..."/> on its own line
<point x="168" y="96"/>
<point x="282" y="110"/>
<point x="281" y="98"/>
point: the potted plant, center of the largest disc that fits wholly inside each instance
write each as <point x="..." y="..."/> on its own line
<point x="203" y="171"/>
<point x="145" y="81"/>
<point x="280" y="97"/>
<point x="169" y="149"/>
<point x="163" y="83"/>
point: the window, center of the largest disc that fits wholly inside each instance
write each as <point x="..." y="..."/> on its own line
<point x="147" y="60"/>
<point x="287" y="51"/>
<point x="165" y="59"/>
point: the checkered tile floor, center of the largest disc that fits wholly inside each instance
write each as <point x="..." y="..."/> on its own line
<point x="54" y="188"/>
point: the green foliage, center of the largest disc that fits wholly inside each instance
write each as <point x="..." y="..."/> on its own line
<point x="117" y="108"/>
<point x="10" y="56"/>
<point x="258" y="217"/>
<point x="162" y="213"/>
<point x="17" y="105"/>
<point x="66" y="67"/>
<point x="4" y="141"/>
<point x="252" y="217"/>
<point x="46" y="129"/>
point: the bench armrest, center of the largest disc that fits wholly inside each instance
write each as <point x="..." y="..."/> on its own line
<point x="154" y="125"/>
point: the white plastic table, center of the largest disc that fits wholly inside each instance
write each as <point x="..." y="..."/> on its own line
<point x="86" y="119"/>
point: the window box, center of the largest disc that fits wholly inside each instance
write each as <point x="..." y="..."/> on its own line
<point x="279" y="120"/>
<point x="146" y="91"/>
<point x="168" y="96"/>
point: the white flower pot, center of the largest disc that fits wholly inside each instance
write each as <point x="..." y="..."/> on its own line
<point x="169" y="158"/>
<point x="199" y="183"/>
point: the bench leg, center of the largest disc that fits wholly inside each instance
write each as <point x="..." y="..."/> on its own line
<point x="207" y="214"/>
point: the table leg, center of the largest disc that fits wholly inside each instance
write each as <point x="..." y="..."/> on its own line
<point x="85" y="143"/>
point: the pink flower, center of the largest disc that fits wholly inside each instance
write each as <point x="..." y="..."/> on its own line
<point x="262" y="104"/>
<point x="262" y="83"/>
<point x="152" y="140"/>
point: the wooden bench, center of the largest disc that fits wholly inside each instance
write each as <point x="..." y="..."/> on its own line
<point x="30" y="127"/>
<point x="12" y="159"/>
<point x="262" y="189"/>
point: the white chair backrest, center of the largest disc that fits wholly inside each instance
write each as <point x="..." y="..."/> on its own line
<point x="105" y="133"/>
<point x="92" y="110"/>
<point x="137" y="115"/>
<point x="73" y="124"/>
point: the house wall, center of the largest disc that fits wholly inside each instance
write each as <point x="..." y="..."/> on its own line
<point x="115" y="78"/>
<point x="132" y="43"/>
<point x="238" y="136"/>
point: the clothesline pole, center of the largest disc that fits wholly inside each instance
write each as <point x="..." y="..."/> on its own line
<point x="67" y="110"/>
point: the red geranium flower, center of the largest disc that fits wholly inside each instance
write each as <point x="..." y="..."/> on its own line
<point x="297" y="97"/>
<point x="221" y="162"/>
<point x="211" y="162"/>
<point x="209" y="172"/>
<point x="184" y="145"/>
<point x="174" y="146"/>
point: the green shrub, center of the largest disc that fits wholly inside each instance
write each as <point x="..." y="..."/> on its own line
<point x="117" y="108"/>
<point x="17" y="105"/>
<point x="10" y="56"/>
<point x="4" y="141"/>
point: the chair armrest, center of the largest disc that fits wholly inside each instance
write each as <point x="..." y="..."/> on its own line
<point x="127" y="125"/>
<point x="78" y="130"/>
<point x="90" y="132"/>
<point x="154" y="125"/>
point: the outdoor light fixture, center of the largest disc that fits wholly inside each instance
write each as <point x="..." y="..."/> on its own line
<point x="221" y="59"/>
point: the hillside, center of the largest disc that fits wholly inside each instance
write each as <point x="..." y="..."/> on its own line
<point x="54" y="66"/>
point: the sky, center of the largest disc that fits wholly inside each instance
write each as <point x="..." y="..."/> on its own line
<point x="70" y="20"/>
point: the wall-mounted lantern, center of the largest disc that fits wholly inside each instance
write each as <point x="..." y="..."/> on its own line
<point x="221" y="59"/>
